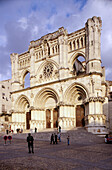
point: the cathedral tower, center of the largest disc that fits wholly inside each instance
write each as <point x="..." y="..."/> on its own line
<point x="93" y="34"/>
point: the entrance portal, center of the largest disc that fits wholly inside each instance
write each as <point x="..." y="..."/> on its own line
<point x="54" y="122"/>
<point x="80" y="112"/>
<point x="48" y="118"/>
<point x="55" y="118"/>
<point x="28" y="118"/>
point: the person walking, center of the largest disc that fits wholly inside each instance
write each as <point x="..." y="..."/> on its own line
<point x="68" y="140"/>
<point x="56" y="139"/>
<point x="30" y="142"/>
<point x="35" y="130"/>
<point x="52" y="139"/>
<point x="59" y="137"/>
<point x="59" y="129"/>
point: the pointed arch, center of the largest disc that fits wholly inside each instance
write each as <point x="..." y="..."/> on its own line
<point x="77" y="63"/>
<point x="23" y="74"/>
<point x="76" y="91"/>
<point x="43" y="95"/>
<point x="75" y="55"/>
<point x="22" y="103"/>
<point x="44" y="63"/>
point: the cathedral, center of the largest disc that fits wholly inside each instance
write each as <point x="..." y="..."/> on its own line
<point x="67" y="83"/>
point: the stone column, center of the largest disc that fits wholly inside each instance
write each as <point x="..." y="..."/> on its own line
<point x="95" y="115"/>
<point x="80" y="43"/>
<point x="15" y="72"/>
<point x="51" y="118"/>
<point x="32" y="67"/>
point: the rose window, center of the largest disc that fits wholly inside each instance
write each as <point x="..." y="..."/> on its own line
<point x="48" y="69"/>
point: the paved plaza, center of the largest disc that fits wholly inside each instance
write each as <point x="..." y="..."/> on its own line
<point x="79" y="156"/>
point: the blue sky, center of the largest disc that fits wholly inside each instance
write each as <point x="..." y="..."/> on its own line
<point x="24" y="20"/>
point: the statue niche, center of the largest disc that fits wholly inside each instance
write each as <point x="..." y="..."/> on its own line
<point x="46" y="48"/>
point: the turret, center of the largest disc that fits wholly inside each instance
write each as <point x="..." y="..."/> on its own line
<point x="15" y="73"/>
<point x="93" y="45"/>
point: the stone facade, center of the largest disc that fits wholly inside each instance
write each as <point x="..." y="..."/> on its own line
<point x="5" y="104"/>
<point x="67" y="82"/>
<point x="109" y="105"/>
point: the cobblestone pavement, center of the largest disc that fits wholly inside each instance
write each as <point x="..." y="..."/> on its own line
<point x="15" y="156"/>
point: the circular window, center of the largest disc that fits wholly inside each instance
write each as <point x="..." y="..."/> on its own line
<point x="48" y="69"/>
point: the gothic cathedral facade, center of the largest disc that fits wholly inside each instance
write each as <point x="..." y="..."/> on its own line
<point x="67" y="82"/>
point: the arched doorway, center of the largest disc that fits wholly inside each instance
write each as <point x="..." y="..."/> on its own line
<point x="48" y="118"/>
<point x="23" y="114"/>
<point x="80" y="113"/>
<point x="76" y="95"/>
<point x="55" y="118"/>
<point x="52" y="118"/>
<point x="28" y="118"/>
<point x="47" y="99"/>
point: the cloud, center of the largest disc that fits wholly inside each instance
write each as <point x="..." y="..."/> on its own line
<point x="3" y="40"/>
<point x="28" y="20"/>
<point x="5" y="65"/>
<point x="23" y="23"/>
<point x="35" y="31"/>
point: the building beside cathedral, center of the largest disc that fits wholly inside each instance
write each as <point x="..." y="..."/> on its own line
<point x="67" y="83"/>
<point x="5" y="104"/>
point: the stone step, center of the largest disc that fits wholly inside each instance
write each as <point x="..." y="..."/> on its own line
<point x="77" y="135"/>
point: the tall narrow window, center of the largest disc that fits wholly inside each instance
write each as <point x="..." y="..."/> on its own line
<point x="77" y="43"/>
<point x="27" y="80"/>
<point x="81" y="42"/>
<point x="53" y="50"/>
<point x="74" y="45"/>
<point x="70" y="46"/>
<point x="56" y="49"/>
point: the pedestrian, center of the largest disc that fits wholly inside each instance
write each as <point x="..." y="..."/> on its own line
<point x="60" y="129"/>
<point x="59" y="137"/>
<point x="35" y="130"/>
<point x="30" y="142"/>
<point x="7" y="131"/>
<point x="68" y="140"/>
<point x="52" y="139"/>
<point x="56" y="139"/>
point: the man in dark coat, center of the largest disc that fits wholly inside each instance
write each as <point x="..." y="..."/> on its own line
<point x="56" y="139"/>
<point x="30" y="142"/>
<point x="52" y="139"/>
<point x="59" y="128"/>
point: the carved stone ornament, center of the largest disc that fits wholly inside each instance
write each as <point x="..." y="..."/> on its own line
<point x="96" y="99"/>
<point x="61" y="103"/>
<point x="31" y="108"/>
